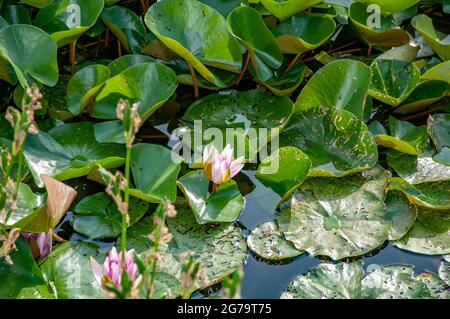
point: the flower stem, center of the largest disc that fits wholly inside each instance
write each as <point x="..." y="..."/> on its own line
<point x="123" y="241"/>
<point x="154" y="251"/>
<point x="18" y="179"/>
<point x="214" y="187"/>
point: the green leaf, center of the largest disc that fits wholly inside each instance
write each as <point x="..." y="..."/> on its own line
<point x="97" y="216"/>
<point x="152" y="84"/>
<point x="287" y="8"/>
<point x="401" y="213"/>
<point x="330" y="281"/>
<point x="303" y="33"/>
<point x="127" y="26"/>
<point x="444" y="271"/>
<point x="342" y="84"/>
<point x="393" y="81"/>
<point x="36" y="3"/>
<point x="268" y="242"/>
<point x="338" y="217"/>
<point x="285" y="83"/>
<point x="155" y="171"/>
<point x="429" y="195"/>
<point x="206" y="42"/>
<point x="284" y="170"/>
<point x="222" y="206"/>
<point x="406" y="137"/>
<point x="246" y="24"/>
<point x="425" y="94"/>
<point x="69" y="273"/>
<point x="45" y="153"/>
<point x="31" y="52"/>
<point x="417" y="169"/>
<point x="27" y="202"/>
<point x="24" y="273"/>
<point x="67" y="20"/>
<point x="124" y="62"/>
<point x="336" y="141"/>
<point x="84" y="86"/>
<point x="439" y="129"/>
<point x="390" y="7"/>
<point x="430" y="234"/>
<point x="438" y="288"/>
<point x="223" y="6"/>
<point x="438" y="72"/>
<point x="437" y="40"/>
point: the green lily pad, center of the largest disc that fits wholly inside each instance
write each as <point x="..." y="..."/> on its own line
<point x="221" y="250"/>
<point x="285" y="83"/>
<point x="338" y="217"/>
<point x="438" y="72"/>
<point x="84" y="86"/>
<point x="286" y="8"/>
<point x="67" y="20"/>
<point x="36" y="3"/>
<point x="124" y="62"/>
<point x="97" y="216"/>
<point x="336" y="141"/>
<point x="223" y="6"/>
<point x="27" y="203"/>
<point x="430" y="195"/>
<point x="402" y="214"/>
<point x="438" y="288"/>
<point x="246" y="24"/>
<point x="430" y="234"/>
<point x="437" y="40"/>
<point x="23" y="274"/>
<point x="284" y="170"/>
<point x="425" y="94"/>
<point x="127" y="27"/>
<point x="328" y="281"/>
<point x="388" y="34"/>
<point x="268" y="242"/>
<point x="389" y="7"/>
<point x="439" y="129"/>
<point x="45" y="153"/>
<point x="155" y="171"/>
<point x="342" y="84"/>
<point x="303" y="33"/>
<point x="221" y="206"/>
<point x="405" y="137"/>
<point x="417" y="169"/>
<point x="394" y="282"/>
<point x="68" y="272"/>
<point x="31" y="52"/>
<point x="393" y="81"/>
<point x="444" y="271"/>
<point x="150" y="83"/>
<point x="207" y="42"/>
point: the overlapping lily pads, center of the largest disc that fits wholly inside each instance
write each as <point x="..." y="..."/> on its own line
<point x="437" y="40"/>
<point x="286" y="8"/>
<point x="401" y="213"/>
<point x="390" y="7"/>
<point x="338" y="217"/>
<point x="336" y="141"/>
<point x="439" y="129"/>
<point x="69" y="151"/>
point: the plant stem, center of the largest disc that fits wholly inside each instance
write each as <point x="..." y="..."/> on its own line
<point x="154" y="251"/>
<point x="123" y="241"/>
<point x="247" y="61"/>
<point x="194" y="80"/>
<point x="73" y="47"/>
<point x="294" y="61"/>
<point x="18" y="179"/>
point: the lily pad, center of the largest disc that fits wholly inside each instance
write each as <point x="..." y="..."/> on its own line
<point x="342" y="84"/>
<point x="439" y="129"/>
<point x="45" y="153"/>
<point x="336" y="141"/>
<point x="393" y="81"/>
<point x="84" y="86"/>
<point x="387" y="34"/>
<point x="268" y="242"/>
<point x="303" y="33"/>
<point x="444" y="271"/>
<point x="31" y="52"/>
<point x="221" y="250"/>
<point x="155" y="171"/>
<point x="405" y="137"/>
<point x="68" y="272"/>
<point x="207" y="43"/>
<point x="67" y="20"/>
<point x="338" y="217"/>
<point x="124" y="62"/>
<point x="430" y="234"/>
<point x="285" y="83"/>
<point x="152" y="84"/>
<point x="438" y="288"/>
<point x="97" y="216"/>
<point x="438" y="72"/>
<point x="417" y="169"/>
<point x="284" y="170"/>
<point x="402" y="214"/>
<point x="224" y="205"/>
<point x="437" y="40"/>
<point x="430" y="195"/>
<point x="246" y="24"/>
<point x="389" y="7"/>
<point x="425" y="94"/>
<point x="328" y="281"/>
<point x="286" y="8"/>
<point x="27" y="202"/>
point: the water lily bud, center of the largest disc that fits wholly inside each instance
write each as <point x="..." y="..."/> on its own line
<point x="40" y="243"/>
<point x="221" y="167"/>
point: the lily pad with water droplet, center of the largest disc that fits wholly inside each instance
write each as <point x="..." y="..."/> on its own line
<point x="338" y="217"/>
<point x="268" y="242"/>
<point x="336" y="141"/>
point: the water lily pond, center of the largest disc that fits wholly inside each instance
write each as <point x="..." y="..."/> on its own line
<point x="225" y="149"/>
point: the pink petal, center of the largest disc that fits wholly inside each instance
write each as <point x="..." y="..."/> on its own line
<point x="97" y="269"/>
<point x="236" y="166"/>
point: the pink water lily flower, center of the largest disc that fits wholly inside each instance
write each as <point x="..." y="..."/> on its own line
<point x="221" y="167"/>
<point x="40" y="243"/>
<point x="112" y="268"/>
